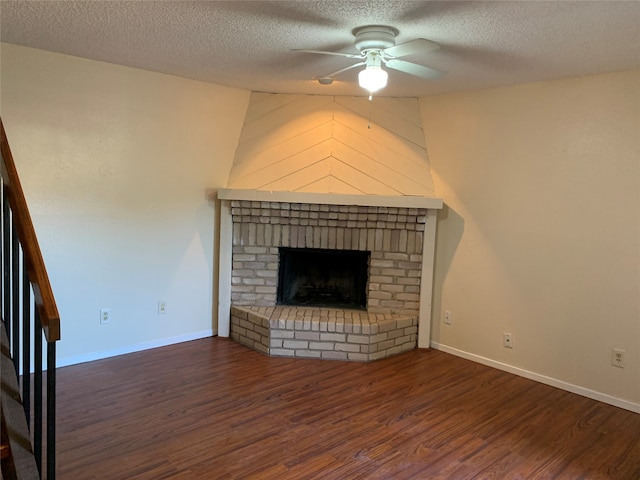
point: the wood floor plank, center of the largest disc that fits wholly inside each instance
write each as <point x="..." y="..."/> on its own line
<point x="213" y="409"/>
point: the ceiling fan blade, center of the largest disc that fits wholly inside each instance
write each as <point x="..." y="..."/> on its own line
<point x="419" y="45"/>
<point x="348" y="55"/>
<point x="414" y="69"/>
<point x="344" y="69"/>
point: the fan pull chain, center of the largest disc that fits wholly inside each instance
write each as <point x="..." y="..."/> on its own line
<point x="370" y="110"/>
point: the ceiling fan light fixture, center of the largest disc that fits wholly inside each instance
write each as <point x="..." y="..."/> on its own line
<point x="377" y="46"/>
<point x="373" y="78"/>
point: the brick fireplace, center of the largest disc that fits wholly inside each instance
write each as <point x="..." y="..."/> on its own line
<point x="338" y="174"/>
<point x="398" y="235"/>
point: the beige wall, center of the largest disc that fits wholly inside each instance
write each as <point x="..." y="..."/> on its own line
<point x="541" y="237"/>
<point x="115" y="164"/>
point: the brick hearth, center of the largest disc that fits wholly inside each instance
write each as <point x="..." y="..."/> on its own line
<point x="327" y="333"/>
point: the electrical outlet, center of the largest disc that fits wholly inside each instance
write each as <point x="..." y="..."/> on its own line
<point x="507" y="340"/>
<point x="448" y="317"/>
<point x="617" y="357"/>
<point x="105" y="316"/>
<point x="162" y="307"/>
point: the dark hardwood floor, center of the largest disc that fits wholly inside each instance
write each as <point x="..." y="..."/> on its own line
<point x="212" y="409"/>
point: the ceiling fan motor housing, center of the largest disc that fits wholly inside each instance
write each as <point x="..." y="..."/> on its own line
<point x="375" y="37"/>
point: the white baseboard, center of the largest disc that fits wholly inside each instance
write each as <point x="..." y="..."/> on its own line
<point x="569" y="387"/>
<point x="89" y="357"/>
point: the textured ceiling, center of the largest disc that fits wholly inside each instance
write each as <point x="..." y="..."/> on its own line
<point x="247" y="44"/>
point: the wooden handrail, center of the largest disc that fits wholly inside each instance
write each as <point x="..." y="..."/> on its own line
<point x="43" y="294"/>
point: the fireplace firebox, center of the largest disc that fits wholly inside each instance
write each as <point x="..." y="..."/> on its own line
<point x="323" y="278"/>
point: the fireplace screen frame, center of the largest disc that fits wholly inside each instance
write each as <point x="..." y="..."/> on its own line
<point x="316" y="277"/>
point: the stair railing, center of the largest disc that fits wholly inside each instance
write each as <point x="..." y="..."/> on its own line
<point x="29" y="312"/>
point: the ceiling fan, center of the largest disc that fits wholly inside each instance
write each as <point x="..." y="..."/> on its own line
<point x="377" y="46"/>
